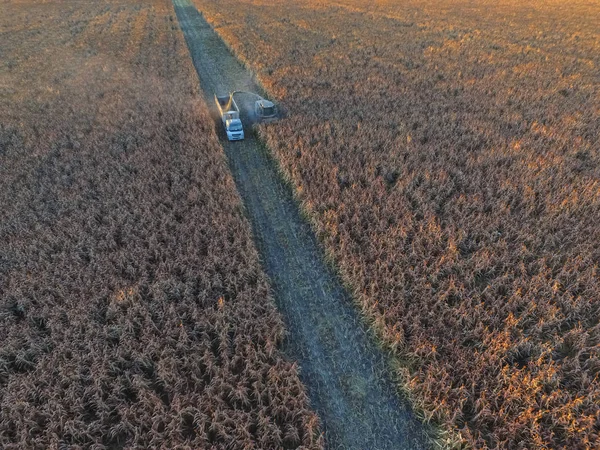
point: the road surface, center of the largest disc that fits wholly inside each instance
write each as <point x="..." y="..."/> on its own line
<point x="344" y="370"/>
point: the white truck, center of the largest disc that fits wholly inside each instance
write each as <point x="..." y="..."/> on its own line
<point x="230" y="115"/>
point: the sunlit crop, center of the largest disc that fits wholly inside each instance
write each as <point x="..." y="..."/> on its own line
<point x="448" y="156"/>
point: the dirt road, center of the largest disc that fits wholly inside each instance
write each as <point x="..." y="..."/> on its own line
<point x="343" y="369"/>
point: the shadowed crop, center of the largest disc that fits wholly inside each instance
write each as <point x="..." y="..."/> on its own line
<point x="448" y="156"/>
<point x="133" y="310"/>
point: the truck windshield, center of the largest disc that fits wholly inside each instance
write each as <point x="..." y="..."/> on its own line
<point x="235" y="127"/>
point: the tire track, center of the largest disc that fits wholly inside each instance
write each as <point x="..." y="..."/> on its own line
<point x="344" y="370"/>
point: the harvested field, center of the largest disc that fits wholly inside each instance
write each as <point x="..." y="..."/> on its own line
<point x="133" y="310"/>
<point x="449" y="159"/>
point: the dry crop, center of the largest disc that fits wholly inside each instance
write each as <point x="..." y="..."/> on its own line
<point x="448" y="155"/>
<point x="133" y="310"/>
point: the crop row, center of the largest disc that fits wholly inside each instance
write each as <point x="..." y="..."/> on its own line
<point x="133" y="309"/>
<point x="448" y="156"/>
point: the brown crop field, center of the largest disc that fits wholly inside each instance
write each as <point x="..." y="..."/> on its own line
<point x="133" y="309"/>
<point x="448" y="155"/>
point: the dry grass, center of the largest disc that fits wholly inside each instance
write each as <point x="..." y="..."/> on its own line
<point x="133" y="310"/>
<point x="448" y="154"/>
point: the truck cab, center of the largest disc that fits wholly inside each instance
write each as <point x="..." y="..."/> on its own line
<point x="234" y="129"/>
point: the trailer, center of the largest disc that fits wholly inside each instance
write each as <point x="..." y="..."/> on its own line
<point x="230" y="115"/>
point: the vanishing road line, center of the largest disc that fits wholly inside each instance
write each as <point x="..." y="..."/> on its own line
<point x="344" y="370"/>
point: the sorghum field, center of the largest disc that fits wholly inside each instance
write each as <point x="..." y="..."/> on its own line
<point x="448" y="154"/>
<point x="133" y="310"/>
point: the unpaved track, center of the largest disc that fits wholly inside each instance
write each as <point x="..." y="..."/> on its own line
<point x="344" y="371"/>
